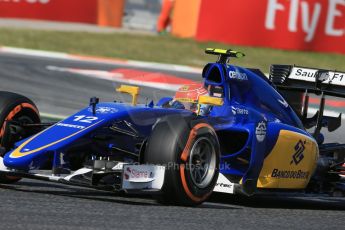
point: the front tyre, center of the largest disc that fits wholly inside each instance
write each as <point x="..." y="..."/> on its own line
<point x="189" y="150"/>
<point x="17" y="108"/>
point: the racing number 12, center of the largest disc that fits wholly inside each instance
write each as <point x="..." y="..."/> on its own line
<point x="85" y="119"/>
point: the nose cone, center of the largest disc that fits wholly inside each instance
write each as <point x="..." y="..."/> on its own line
<point x="32" y="161"/>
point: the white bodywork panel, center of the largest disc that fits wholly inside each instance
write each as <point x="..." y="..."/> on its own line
<point x="142" y="177"/>
<point x="78" y="172"/>
<point x="308" y="74"/>
<point x="134" y="177"/>
<point x="2" y="166"/>
<point x="224" y="185"/>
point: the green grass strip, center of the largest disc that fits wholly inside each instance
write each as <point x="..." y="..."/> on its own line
<point x="165" y="49"/>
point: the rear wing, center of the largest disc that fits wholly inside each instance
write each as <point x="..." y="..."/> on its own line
<point x="318" y="81"/>
<point x="310" y="80"/>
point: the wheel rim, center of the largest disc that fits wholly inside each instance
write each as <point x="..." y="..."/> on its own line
<point x="21" y="118"/>
<point x="24" y="119"/>
<point x="202" y="162"/>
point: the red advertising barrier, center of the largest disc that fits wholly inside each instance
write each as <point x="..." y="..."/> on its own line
<point x="313" y="25"/>
<point x="59" y="10"/>
<point x="104" y="12"/>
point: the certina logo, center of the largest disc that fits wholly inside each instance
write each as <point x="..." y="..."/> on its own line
<point x="260" y="131"/>
<point x="27" y="1"/>
<point x="236" y="110"/>
<point x="299" y="152"/>
<point x="238" y="75"/>
<point x="104" y="110"/>
<point x="288" y="174"/>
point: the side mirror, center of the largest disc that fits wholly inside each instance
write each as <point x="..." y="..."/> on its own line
<point x="208" y="100"/>
<point x="132" y="90"/>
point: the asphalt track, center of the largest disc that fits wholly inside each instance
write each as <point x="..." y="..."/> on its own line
<point x="38" y="205"/>
<point x="63" y="93"/>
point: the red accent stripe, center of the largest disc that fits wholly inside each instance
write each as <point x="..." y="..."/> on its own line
<point x="14" y="112"/>
<point x="332" y="103"/>
<point x="184" y="157"/>
<point x="155" y="77"/>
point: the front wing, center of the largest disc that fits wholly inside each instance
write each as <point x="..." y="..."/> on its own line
<point x="120" y="177"/>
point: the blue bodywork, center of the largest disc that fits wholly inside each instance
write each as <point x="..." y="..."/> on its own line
<point x="249" y="101"/>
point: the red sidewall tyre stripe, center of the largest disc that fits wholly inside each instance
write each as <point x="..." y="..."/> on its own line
<point x="14" y="112"/>
<point x="184" y="157"/>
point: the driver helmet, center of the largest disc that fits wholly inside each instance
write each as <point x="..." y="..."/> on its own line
<point x="188" y="95"/>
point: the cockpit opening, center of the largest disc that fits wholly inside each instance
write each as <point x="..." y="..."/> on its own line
<point x="212" y="74"/>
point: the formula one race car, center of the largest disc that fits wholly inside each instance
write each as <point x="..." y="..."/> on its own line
<point x="235" y="133"/>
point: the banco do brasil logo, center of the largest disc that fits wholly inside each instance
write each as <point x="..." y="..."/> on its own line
<point x="299" y="152"/>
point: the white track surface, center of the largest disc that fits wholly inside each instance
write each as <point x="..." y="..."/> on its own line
<point x="74" y="57"/>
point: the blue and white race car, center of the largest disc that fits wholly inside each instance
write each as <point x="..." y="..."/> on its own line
<point x="234" y="134"/>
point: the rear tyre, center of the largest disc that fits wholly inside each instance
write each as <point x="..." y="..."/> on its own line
<point x="189" y="150"/>
<point x="14" y="107"/>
